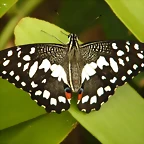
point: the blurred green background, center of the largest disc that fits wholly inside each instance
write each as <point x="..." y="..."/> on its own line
<point x="120" y="120"/>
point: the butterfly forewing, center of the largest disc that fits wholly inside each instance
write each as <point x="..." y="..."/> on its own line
<point x="34" y="68"/>
<point x="113" y="63"/>
<point x="50" y="72"/>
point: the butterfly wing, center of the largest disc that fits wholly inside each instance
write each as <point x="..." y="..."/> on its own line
<point x="36" y="68"/>
<point x="108" y="64"/>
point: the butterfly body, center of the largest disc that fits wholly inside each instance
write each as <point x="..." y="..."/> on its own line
<point x="50" y="73"/>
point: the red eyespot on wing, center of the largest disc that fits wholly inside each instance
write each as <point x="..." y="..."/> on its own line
<point x="80" y="96"/>
<point x="68" y="95"/>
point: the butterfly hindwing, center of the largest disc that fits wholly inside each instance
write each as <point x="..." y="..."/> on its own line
<point x="51" y="95"/>
<point x="94" y="94"/>
<point x="33" y="68"/>
<point x="113" y="63"/>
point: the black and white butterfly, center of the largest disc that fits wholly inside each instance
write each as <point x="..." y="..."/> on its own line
<point x="50" y="73"/>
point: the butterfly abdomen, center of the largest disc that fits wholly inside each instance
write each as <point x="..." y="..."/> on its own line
<point x="74" y="77"/>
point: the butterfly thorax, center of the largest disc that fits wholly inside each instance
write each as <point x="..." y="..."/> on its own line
<point x="74" y="64"/>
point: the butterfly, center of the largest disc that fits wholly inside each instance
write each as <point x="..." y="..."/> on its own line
<point x="51" y="72"/>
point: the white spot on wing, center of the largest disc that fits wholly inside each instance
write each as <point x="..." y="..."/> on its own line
<point x="63" y="110"/>
<point x="136" y="46"/>
<point x="39" y="92"/>
<point x="11" y="73"/>
<point x="33" y="84"/>
<point x="43" y="106"/>
<point x="18" y="48"/>
<point x="84" y="110"/>
<point x="127" y="47"/>
<point x="121" y="61"/>
<point x="63" y="76"/>
<point x="93" y="65"/>
<point x="46" y="94"/>
<point x="127" y="42"/>
<point x="45" y="65"/>
<point x="27" y="58"/>
<point x="140" y="55"/>
<point x="33" y="69"/>
<point x="135" y="66"/>
<point x="78" y="101"/>
<point x="114" y="46"/>
<point x="36" y="101"/>
<point x="129" y="72"/>
<point x="123" y="78"/>
<point x="100" y="91"/>
<point x="85" y="99"/>
<point x="62" y="99"/>
<point x="113" y="80"/>
<point x="107" y="88"/>
<point x="19" y="53"/>
<point x="53" y="111"/>
<point x="26" y="66"/>
<point x="84" y="76"/>
<point x="19" y="64"/>
<point x="142" y="65"/>
<point x="113" y="65"/>
<point x="10" y="53"/>
<point x="127" y="59"/>
<point x="89" y="70"/>
<point x="32" y="50"/>
<point x="53" y="67"/>
<point x="93" y="100"/>
<point x="120" y="53"/>
<point x="103" y="77"/>
<point x="102" y="62"/>
<point x="69" y="101"/>
<point x="4" y="72"/>
<point x="102" y="103"/>
<point x="5" y="63"/>
<point x="17" y="78"/>
<point x="53" y="101"/>
<point x="23" y="83"/>
<point x="58" y="71"/>
<point x="44" y="81"/>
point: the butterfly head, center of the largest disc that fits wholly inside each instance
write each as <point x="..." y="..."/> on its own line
<point x="73" y="43"/>
<point x="73" y="37"/>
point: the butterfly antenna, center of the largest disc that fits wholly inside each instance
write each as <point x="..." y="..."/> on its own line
<point x="98" y="17"/>
<point x="64" y="33"/>
<point x="53" y="36"/>
<point x="64" y="23"/>
<point x="95" y="19"/>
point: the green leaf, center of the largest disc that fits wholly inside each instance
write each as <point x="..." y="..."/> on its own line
<point x="119" y="121"/>
<point x="42" y="32"/>
<point x="48" y="128"/>
<point x="16" y="106"/>
<point x="131" y="14"/>
<point x="5" y="5"/>
<point x="22" y="9"/>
